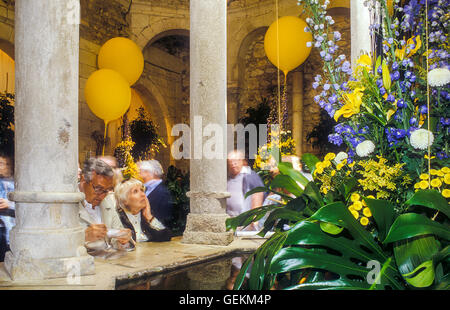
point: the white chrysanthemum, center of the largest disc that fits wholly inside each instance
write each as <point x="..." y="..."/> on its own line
<point x="340" y="157"/>
<point x="421" y="139"/>
<point x="365" y="148"/>
<point x="439" y="77"/>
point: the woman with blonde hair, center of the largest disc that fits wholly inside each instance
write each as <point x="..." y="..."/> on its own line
<point x="135" y="213"/>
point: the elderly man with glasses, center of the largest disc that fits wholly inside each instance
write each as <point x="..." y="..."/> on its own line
<point x="96" y="182"/>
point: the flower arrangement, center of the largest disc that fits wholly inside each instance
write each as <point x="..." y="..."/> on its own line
<point x="382" y="105"/>
<point x="125" y="159"/>
<point x="385" y="199"/>
<point x="281" y="141"/>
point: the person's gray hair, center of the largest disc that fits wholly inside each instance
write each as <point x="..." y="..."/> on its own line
<point x="236" y="154"/>
<point x="98" y="166"/>
<point x="122" y="190"/>
<point x="153" y="166"/>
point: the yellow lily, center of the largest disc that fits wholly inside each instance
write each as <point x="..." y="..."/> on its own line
<point x="386" y="76"/>
<point x="418" y="41"/>
<point x="365" y="60"/>
<point x="390" y="113"/>
<point x="401" y="53"/>
<point x="353" y="104"/>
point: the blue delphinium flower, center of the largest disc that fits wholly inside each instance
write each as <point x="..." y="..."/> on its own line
<point x="395" y="75"/>
<point x="401" y="103"/>
<point x="442" y="155"/>
<point x="390" y="98"/>
<point x="423" y="109"/>
<point x="335" y="139"/>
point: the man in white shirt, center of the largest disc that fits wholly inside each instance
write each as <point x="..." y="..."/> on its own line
<point x="241" y="179"/>
<point x="96" y="182"/>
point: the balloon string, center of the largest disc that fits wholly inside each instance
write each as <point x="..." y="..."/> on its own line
<point x="278" y="64"/>
<point x="104" y="138"/>
<point x="285" y="116"/>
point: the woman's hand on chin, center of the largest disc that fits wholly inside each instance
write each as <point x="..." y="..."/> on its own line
<point x="146" y="212"/>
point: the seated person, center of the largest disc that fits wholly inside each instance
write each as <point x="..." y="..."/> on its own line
<point x="96" y="182"/>
<point x="7" y="208"/>
<point x="156" y="191"/>
<point x="135" y="213"/>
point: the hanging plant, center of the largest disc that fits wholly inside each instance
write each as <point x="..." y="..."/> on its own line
<point x="145" y="135"/>
<point x="7" y="123"/>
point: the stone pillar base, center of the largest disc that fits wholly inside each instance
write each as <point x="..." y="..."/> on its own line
<point x="207" y="229"/>
<point x="24" y="267"/>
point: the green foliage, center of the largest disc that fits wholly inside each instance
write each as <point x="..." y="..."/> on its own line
<point x="256" y="116"/>
<point x="318" y="136"/>
<point x="178" y="185"/>
<point x="7" y="123"/>
<point x="145" y="134"/>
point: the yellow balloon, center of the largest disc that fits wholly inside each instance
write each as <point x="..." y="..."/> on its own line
<point x="107" y="94"/>
<point x="289" y="31"/>
<point x="124" y="56"/>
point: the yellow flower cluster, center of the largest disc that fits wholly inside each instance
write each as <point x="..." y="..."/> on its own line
<point x="283" y="141"/>
<point x="131" y="169"/>
<point x="359" y="209"/>
<point x="437" y="179"/>
<point x="380" y="178"/>
<point x="328" y="172"/>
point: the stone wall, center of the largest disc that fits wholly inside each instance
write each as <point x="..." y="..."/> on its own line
<point x="104" y="19"/>
<point x="7" y="28"/>
<point x="101" y="20"/>
<point x="258" y="76"/>
<point x="251" y="76"/>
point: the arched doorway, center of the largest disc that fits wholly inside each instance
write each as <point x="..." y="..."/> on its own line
<point x="7" y="67"/>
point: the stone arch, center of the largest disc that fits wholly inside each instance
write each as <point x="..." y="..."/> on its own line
<point x="339" y="4"/>
<point x="162" y="28"/>
<point x="7" y="47"/>
<point x="242" y="64"/>
<point x="157" y="106"/>
<point x="166" y="77"/>
<point x="7" y="66"/>
<point x="245" y="31"/>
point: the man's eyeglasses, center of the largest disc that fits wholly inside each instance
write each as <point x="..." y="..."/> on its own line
<point x="100" y="190"/>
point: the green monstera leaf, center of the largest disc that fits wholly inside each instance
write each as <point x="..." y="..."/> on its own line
<point x="412" y="225"/>
<point x="286" y="169"/>
<point x="430" y="198"/>
<point x="310" y="160"/>
<point x="341" y="246"/>
<point x="414" y="259"/>
<point x="383" y="214"/>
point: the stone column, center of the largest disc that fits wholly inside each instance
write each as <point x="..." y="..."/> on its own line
<point x="360" y="34"/>
<point x="47" y="241"/>
<point x="208" y="113"/>
<point x="297" y="111"/>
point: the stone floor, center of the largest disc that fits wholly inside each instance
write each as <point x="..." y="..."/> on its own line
<point x="148" y="259"/>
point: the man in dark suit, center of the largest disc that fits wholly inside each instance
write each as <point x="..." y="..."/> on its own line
<point x="157" y="193"/>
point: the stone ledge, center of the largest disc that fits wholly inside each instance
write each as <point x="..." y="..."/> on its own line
<point x="148" y="259"/>
<point x="209" y="238"/>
